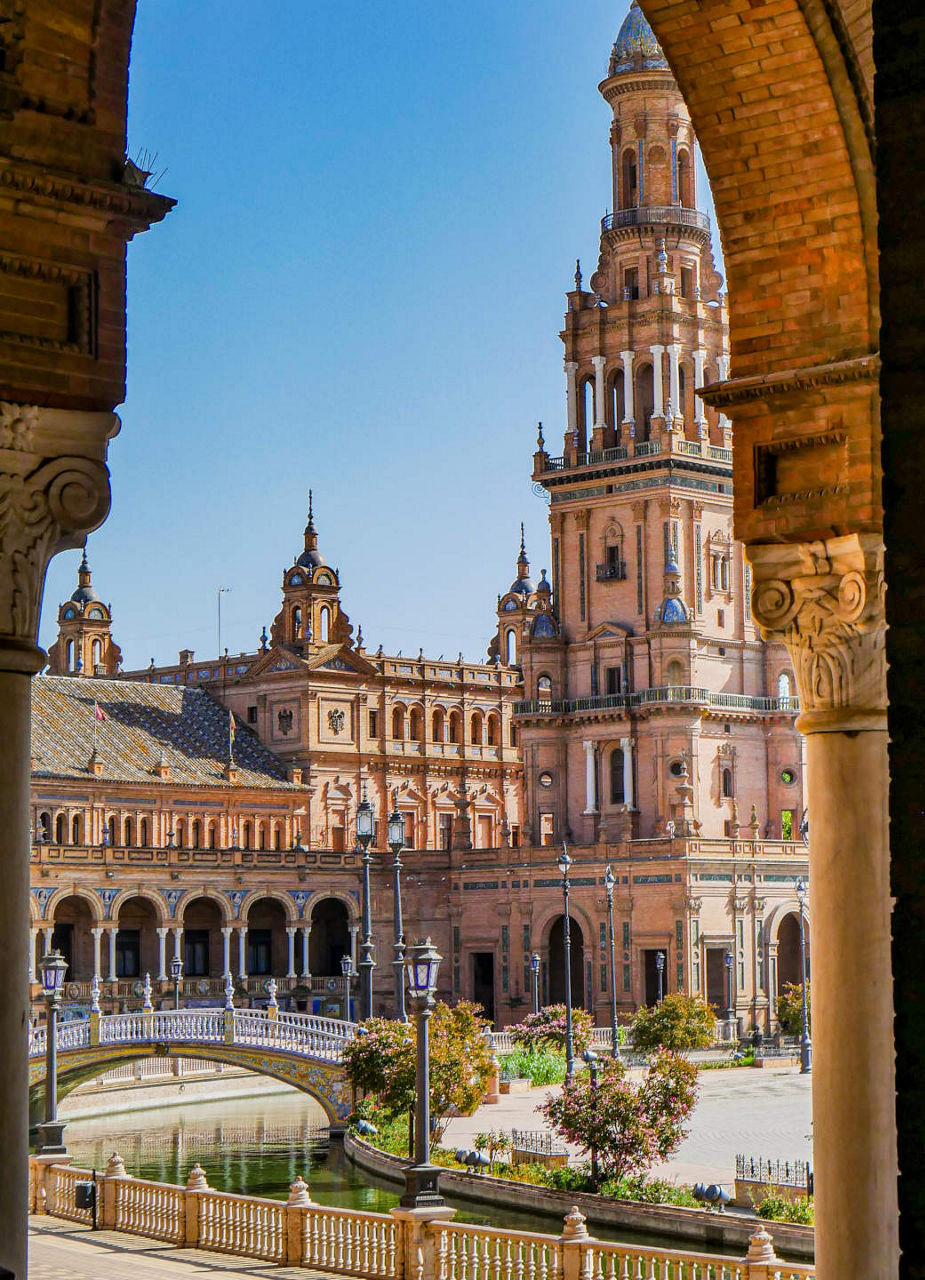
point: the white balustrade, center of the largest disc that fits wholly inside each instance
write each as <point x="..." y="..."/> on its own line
<point x="352" y="1243"/>
<point x="150" y="1209"/>
<point x="239" y="1224"/>
<point x="60" y="1193"/>
<point x="465" y="1252"/>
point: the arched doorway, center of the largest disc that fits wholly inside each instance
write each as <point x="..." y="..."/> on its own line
<point x="136" y="940"/>
<point x="266" y="939"/>
<point x="330" y="938"/>
<point x="72" y="937"/>
<point x="788" y="952"/>
<point x="556" y="967"/>
<point x="202" y="940"/>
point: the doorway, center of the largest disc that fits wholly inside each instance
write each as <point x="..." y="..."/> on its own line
<point x="483" y="982"/>
<point x="716" y="980"/>
<point x="557" y="962"/>
<point x="650" y="970"/>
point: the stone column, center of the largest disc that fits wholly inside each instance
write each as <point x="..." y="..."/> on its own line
<point x="306" y="931"/>
<point x="590" y="778"/>
<point x="226" y="949"/>
<point x="178" y="942"/>
<point x="571" y="395"/>
<point x="825" y="601"/>
<point x="599" y="363"/>
<point x="722" y="373"/>
<point x="699" y="356"/>
<point x="113" y="930"/>
<point x="97" y="932"/>
<point x="658" y="398"/>
<point x="33" y="938"/>
<point x="291" y="931"/>
<point x="354" y="930"/>
<point x="48" y="932"/>
<point x="162" y="953"/>
<point x="629" y="412"/>
<point x="242" y="952"/>
<point x="629" y="798"/>
<point x="674" y="379"/>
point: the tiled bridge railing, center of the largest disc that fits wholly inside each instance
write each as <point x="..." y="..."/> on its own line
<point x="401" y="1245"/>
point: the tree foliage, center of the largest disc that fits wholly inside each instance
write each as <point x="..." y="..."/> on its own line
<point x="546" y="1029"/>
<point x="631" y="1126"/>
<point x="678" y="1022"/>
<point x="381" y="1060"/>
<point x="790" y="1007"/>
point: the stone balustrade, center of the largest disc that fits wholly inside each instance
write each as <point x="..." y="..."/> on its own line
<point x="374" y="1246"/>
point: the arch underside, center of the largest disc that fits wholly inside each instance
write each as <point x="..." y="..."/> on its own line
<point x="325" y="1082"/>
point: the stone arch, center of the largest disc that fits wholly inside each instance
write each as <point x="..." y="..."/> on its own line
<point x="278" y="895"/>
<point x="787" y="936"/>
<point x="330" y="917"/>
<point x="201" y="891"/>
<point x="151" y="895"/>
<point x="75" y="891"/>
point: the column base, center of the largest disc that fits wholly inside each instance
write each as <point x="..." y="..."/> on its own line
<point x="51" y="1138"/>
<point x="422" y="1188"/>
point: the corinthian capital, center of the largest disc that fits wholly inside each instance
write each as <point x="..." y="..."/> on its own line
<point x="825" y="601"/>
<point x="54" y="489"/>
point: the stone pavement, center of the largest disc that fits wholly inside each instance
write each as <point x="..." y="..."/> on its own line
<point x="765" y="1112"/>
<point x="61" y="1250"/>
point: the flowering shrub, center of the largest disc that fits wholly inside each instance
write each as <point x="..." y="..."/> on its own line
<point x="790" y="1008"/>
<point x="546" y="1029"/>
<point x="630" y="1126"/>
<point x="678" y="1022"/>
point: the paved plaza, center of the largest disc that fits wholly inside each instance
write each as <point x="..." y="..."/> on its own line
<point x="756" y="1112"/>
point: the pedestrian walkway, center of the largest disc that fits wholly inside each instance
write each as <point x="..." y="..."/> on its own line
<point x="66" y="1251"/>
<point x="764" y="1112"/>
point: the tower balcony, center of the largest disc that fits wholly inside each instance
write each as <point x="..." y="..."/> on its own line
<point x="608" y="572"/>
<point x="657" y="215"/>
<point x="666" y="445"/>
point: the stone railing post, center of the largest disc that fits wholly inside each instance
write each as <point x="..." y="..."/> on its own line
<point x="574" y="1237"/>
<point x="95" y="1016"/>
<point x="112" y="1175"/>
<point x="761" y="1262"/>
<point x="299" y="1200"/>
<point x="38" y="1172"/>
<point x="419" y="1242"/>
<point x="229" y="1026"/>
<point x="195" y="1184"/>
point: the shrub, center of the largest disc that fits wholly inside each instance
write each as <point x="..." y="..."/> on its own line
<point x="546" y="1029"/>
<point x="790" y="1007"/>
<point x="539" y="1066"/>
<point x="649" y="1191"/>
<point x="678" y="1022"/>
<point x="779" y="1208"/>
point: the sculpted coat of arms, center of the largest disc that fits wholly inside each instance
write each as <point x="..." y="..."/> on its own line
<point x="336" y="720"/>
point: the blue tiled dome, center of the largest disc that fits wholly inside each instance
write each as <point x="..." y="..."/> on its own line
<point x="544" y="628"/>
<point x="674" y="610"/>
<point x="636" y="45"/>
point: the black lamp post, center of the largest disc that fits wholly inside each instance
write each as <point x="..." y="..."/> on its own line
<point x="396" y="844"/>
<point x="563" y="864"/>
<point x="660" y="974"/>
<point x="610" y="883"/>
<point x="590" y="1058"/>
<point x="53" y="968"/>
<point x="366" y="826"/>
<point x="727" y="960"/>
<point x="176" y="973"/>
<point x="535" y="979"/>
<point x="346" y="968"/>
<point x="422" y="1179"/>
<point x="806" y="1048"/>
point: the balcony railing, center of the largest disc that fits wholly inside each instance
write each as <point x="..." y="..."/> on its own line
<point x="659" y="694"/>
<point x="618" y="454"/>
<point x="670" y="214"/>
<point x="611" y="572"/>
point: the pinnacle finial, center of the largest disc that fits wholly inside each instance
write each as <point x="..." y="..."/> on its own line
<point x="311" y="518"/>
<point x="540" y="442"/>
<point x="578" y="274"/>
<point x="523" y="545"/>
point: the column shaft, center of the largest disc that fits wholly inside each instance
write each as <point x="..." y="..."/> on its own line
<point x="306" y="933"/>
<point x="658" y="395"/>
<point x="226" y="949"/>
<point x="571" y="394"/>
<point x="33" y="938"/>
<point x="242" y="953"/>
<point x="113" y="930"/>
<point x="629" y="411"/>
<point x="590" y="779"/>
<point x="97" y="933"/>
<point x="629" y="799"/>
<point x="290" y="946"/>
<point x="674" y="379"/>
<point x="162" y="954"/>
<point x="599" y="363"/>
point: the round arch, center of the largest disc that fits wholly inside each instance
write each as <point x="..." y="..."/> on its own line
<point x="277" y="895"/>
<point x="95" y="903"/>
<point x="150" y="895"/>
<point x="323" y="895"/>
<point x="191" y="895"/>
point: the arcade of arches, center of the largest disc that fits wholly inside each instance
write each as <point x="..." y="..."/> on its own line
<point x="784" y="102"/>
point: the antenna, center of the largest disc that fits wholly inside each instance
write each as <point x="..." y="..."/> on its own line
<point x="221" y="592"/>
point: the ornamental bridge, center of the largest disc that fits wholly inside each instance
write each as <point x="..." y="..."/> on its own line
<point x="298" y="1048"/>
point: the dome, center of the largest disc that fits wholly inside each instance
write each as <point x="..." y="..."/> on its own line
<point x="636" y="46"/>
<point x="674" y="610"/>
<point x="544" y="628"/>
<point x="83" y="595"/>
<point x="523" y="586"/>
<point x="311" y="558"/>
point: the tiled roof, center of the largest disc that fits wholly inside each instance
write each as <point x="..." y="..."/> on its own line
<point x="144" y="722"/>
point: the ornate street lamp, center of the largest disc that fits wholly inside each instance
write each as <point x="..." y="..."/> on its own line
<point x="422" y="1179"/>
<point x="52" y="968"/>
<point x="396" y="844"/>
<point x="366" y="827"/>
<point x="610" y="883"/>
<point x="535" y="979"/>
<point x="176" y="974"/>
<point x="346" y="968"/>
<point x="727" y="960"/>
<point x="806" y="1048"/>
<point x="590" y="1058"/>
<point x="563" y="864"/>
<point x="660" y="973"/>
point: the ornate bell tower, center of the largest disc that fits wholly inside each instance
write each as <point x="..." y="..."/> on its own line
<point x="84" y="646"/>
<point x="311" y="616"/>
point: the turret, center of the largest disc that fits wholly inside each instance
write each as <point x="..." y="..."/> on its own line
<point x="311" y="616"/>
<point x="514" y="607"/>
<point x="84" y="646"/>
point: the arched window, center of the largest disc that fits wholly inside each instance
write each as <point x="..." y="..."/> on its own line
<point x="783" y="685"/>
<point x="61" y="829"/>
<point x="494" y="730"/>
<point x="97" y="653"/>
<point x="76" y="825"/>
<point x="296" y="622"/>
<point x="69" y="656"/>
<point x="645" y="401"/>
<point x="44" y="828"/>
<point x="438" y="724"/>
<point x="543" y="688"/>
<point x="513" y="734"/>
<point x="416" y="724"/>
<point x="128" y="832"/>
<point x="629" y="188"/>
<point x="247" y="835"/>
<point x="398" y="723"/>
<point x="196" y="836"/>
<point x="586" y="402"/>
<point x="724" y="574"/>
<point x="685" y="180"/>
<point x="617" y="791"/>
<point x="143" y="833"/>
<point x="674" y="673"/>
<point x="111" y="829"/>
<point x="277" y="836"/>
<point x="476" y="729"/>
<point x="727" y="783"/>
<point x="213" y="836"/>
<point x="179" y="835"/>
<point x="455" y="726"/>
<point x="324" y="624"/>
<point x="616" y="401"/>
<point x="510" y="646"/>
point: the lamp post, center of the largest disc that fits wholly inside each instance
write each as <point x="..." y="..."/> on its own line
<point x="52" y="967"/>
<point x="590" y="1058"/>
<point x="660" y="974"/>
<point x="422" y="1179"/>
<point x="610" y="883"/>
<point x="727" y="960"/>
<point x="563" y="864"/>
<point x="806" y="1048"/>
<point x="366" y="826"/>
<point x="396" y="844"/>
<point x="535" y="980"/>
<point x="346" y="968"/>
<point x="176" y="973"/>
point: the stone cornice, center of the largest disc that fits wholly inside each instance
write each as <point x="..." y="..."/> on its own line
<point x="736" y="391"/>
<point x="137" y="204"/>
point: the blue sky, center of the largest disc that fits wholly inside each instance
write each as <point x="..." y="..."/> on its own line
<point x="360" y="290"/>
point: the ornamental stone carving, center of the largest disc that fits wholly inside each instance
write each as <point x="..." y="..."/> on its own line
<point x="825" y="601"/>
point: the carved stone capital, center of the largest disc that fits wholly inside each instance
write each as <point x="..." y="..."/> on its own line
<point x="54" y="489"/>
<point x="825" y="601"/>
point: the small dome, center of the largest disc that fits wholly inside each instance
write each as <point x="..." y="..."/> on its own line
<point x="311" y="559"/>
<point x="674" y="610"/>
<point x="83" y="595"/>
<point x="636" y="46"/>
<point x="523" y="586"/>
<point x="544" y="628"/>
